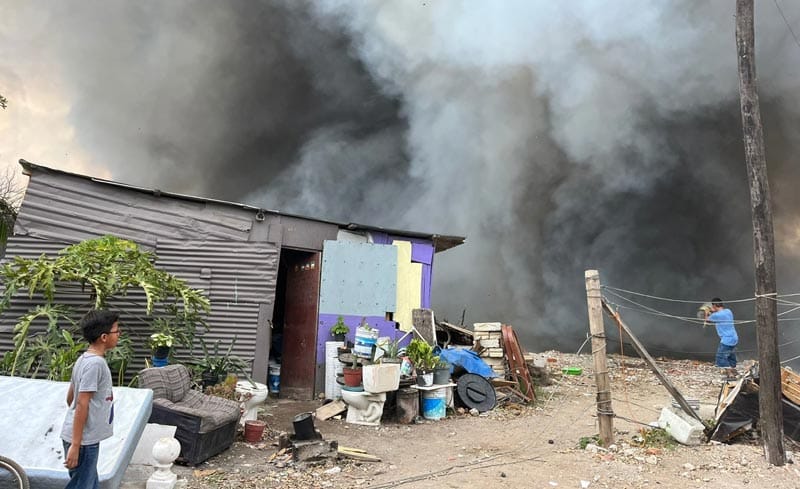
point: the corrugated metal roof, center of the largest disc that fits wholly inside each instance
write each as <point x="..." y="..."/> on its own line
<point x="440" y="242"/>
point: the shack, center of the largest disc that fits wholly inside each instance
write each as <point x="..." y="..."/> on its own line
<point x="277" y="282"/>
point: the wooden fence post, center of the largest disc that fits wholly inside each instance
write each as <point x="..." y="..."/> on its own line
<point x="605" y="415"/>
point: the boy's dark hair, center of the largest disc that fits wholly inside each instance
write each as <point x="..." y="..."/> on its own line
<point x="716" y="301"/>
<point x="96" y="322"/>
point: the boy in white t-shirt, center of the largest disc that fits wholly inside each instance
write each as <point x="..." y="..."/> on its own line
<point x="90" y="400"/>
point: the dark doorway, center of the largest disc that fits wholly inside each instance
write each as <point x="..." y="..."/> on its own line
<point x="295" y="322"/>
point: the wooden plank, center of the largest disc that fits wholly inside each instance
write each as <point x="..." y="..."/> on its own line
<point x="790" y="385"/>
<point x="652" y="363"/>
<point x="424" y="325"/>
<point x="503" y="383"/>
<point x="358" y="455"/>
<point x="351" y="449"/>
<point x="330" y="410"/>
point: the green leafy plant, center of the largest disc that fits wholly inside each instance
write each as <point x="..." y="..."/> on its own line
<point x="218" y="362"/>
<point x="586" y="440"/>
<point x="421" y="355"/>
<point x="160" y="340"/>
<point x="654" y="438"/>
<point x="119" y="357"/>
<point x="106" y="269"/>
<point x="340" y="327"/>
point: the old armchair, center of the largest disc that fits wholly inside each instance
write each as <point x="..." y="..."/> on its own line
<point x="206" y="425"/>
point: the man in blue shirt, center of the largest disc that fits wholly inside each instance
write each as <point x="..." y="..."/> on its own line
<point x="728" y="339"/>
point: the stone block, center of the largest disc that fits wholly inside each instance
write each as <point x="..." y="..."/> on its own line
<point x="679" y="425"/>
<point x="481" y="327"/>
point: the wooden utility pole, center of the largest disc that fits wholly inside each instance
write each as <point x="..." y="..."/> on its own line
<point x="594" y="300"/>
<point x="769" y="395"/>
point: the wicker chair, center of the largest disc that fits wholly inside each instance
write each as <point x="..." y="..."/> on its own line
<point x="206" y="424"/>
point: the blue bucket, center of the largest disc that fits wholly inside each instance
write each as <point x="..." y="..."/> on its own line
<point x="160" y="362"/>
<point x="434" y="403"/>
<point x="274" y="379"/>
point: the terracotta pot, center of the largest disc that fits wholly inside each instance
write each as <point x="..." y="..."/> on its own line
<point x="254" y="430"/>
<point x="352" y="376"/>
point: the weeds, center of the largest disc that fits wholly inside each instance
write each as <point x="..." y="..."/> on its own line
<point x="654" y="438"/>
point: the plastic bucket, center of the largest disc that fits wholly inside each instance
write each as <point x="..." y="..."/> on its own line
<point x="160" y="362"/>
<point x="365" y="342"/>
<point x="304" y="426"/>
<point x="254" y="430"/>
<point x="425" y="379"/>
<point x="434" y="403"/>
<point x="441" y="376"/>
<point x="274" y="378"/>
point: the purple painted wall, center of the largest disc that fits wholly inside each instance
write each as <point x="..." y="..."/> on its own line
<point x="326" y="322"/>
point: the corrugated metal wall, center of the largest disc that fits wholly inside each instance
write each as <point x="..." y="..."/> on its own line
<point x="206" y="243"/>
<point x="241" y="276"/>
<point x="237" y="276"/>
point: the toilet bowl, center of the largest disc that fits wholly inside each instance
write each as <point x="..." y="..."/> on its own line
<point x="253" y="394"/>
<point x="364" y="407"/>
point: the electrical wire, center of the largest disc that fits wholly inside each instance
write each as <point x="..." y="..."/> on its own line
<point x="786" y="21"/>
<point x="668" y="299"/>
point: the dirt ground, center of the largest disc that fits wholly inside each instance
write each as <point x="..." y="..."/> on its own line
<point x="516" y="446"/>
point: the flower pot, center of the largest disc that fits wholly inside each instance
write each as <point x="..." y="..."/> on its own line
<point x="254" y="430"/>
<point x="441" y="376"/>
<point x="209" y="378"/>
<point x="339" y="337"/>
<point x="352" y="376"/>
<point x="425" y="379"/>
<point x="161" y="352"/>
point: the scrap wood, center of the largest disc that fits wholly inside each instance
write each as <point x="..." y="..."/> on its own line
<point x="790" y="385"/>
<point x="330" y="410"/>
<point x="502" y="382"/>
<point x="277" y="454"/>
<point x="357" y="454"/>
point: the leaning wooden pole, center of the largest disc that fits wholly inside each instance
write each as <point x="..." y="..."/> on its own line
<point x="769" y="393"/>
<point x="649" y="360"/>
<point x="594" y="300"/>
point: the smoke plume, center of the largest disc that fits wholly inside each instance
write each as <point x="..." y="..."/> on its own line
<point x="556" y="136"/>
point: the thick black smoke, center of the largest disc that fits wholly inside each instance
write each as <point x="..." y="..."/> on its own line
<point x="557" y="136"/>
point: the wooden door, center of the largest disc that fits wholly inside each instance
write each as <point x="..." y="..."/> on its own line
<point x="300" y="326"/>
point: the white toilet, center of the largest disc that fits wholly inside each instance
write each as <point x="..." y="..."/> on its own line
<point x="258" y="393"/>
<point x="364" y="407"/>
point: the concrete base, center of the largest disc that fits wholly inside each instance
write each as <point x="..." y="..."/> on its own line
<point x="680" y="426"/>
<point x="314" y="451"/>
<point x="152" y="433"/>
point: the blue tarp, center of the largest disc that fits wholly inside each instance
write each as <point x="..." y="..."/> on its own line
<point x="466" y="359"/>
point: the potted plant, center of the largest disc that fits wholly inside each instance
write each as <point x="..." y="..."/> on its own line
<point x="214" y="366"/>
<point x="391" y="349"/>
<point x="339" y="330"/>
<point x="421" y="355"/>
<point x="353" y="374"/>
<point x="161" y="343"/>
<point x="441" y="372"/>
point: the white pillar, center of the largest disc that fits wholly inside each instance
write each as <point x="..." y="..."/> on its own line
<point x="165" y="451"/>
